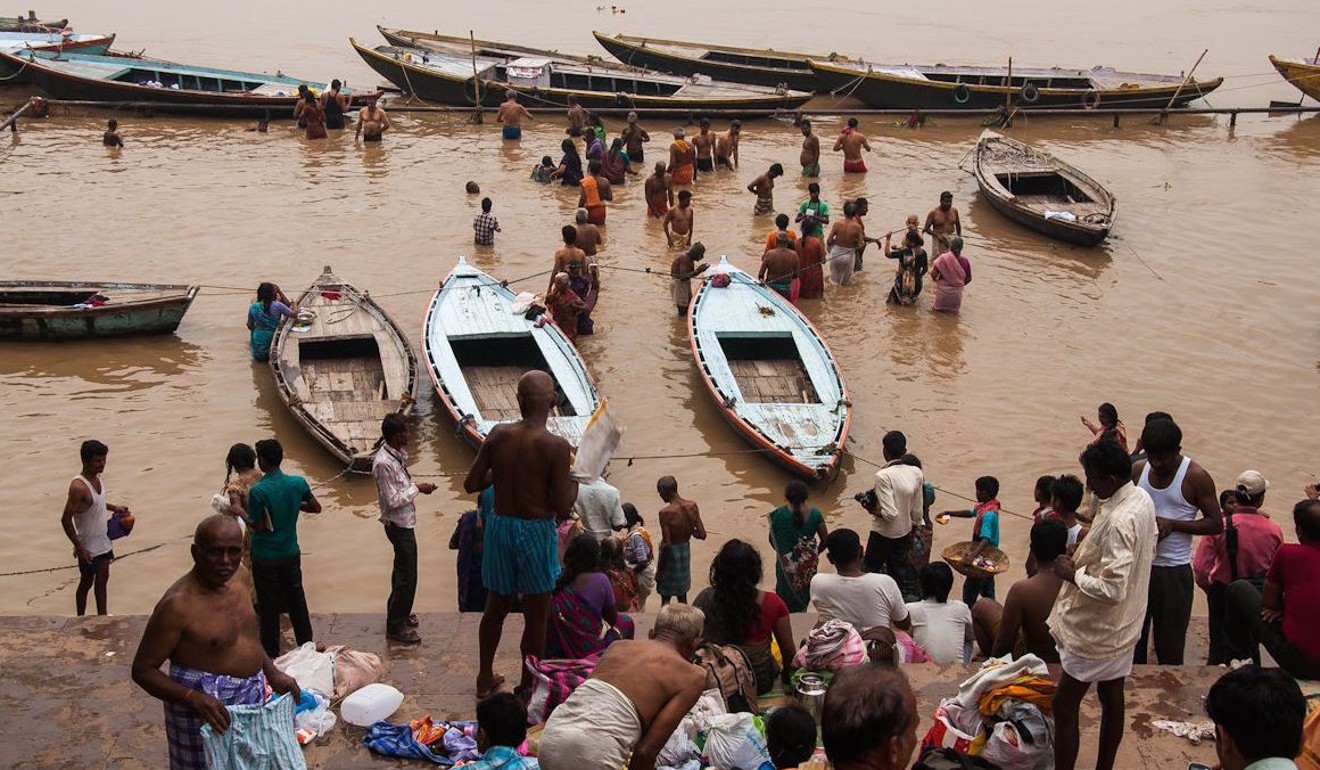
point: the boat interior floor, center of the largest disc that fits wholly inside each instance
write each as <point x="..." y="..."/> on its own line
<point x="495" y="389"/>
<point x="777" y="381"/>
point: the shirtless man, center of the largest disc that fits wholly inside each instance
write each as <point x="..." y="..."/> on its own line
<point x="763" y="187"/>
<point x="111" y="137"/>
<point x="852" y="142"/>
<point x="680" y="521"/>
<point x="528" y="466"/>
<point x="942" y="222"/>
<point x="845" y="238"/>
<point x="569" y="252"/>
<point x="659" y="190"/>
<point x="810" y="158"/>
<point x="633" y="702"/>
<point x="726" y="147"/>
<point x="633" y="135"/>
<point x="682" y="160"/>
<point x="206" y="628"/>
<point x="589" y="238"/>
<point x="577" y="117"/>
<point x="779" y="266"/>
<point x="682" y="270"/>
<point x="372" y="122"/>
<point x="704" y="144"/>
<point x="1018" y="626"/>
<point x="511" y="114"/>
<point x="679" y="222"/>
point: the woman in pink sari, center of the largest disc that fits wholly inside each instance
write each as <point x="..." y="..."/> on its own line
<point x="950" y="272"/>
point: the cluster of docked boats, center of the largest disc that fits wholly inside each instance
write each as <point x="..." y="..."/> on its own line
<point x="655" y="75"/>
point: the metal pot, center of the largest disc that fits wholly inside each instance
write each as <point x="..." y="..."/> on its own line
<point x="810" y="693"/>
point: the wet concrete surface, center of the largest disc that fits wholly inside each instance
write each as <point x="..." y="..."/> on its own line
<point x="68" y="700"/>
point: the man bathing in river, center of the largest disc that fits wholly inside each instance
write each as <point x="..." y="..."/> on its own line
<point x="941" y="223"/>
<point x="679" y="222"/>
<point x="763" y="186"/>
<point x="682" y="160"/>
<point x="206" y="628"/>
<point x="529" y="468"/>
<point x="680" y="521"/>
<point x="633" y="136"/>
<point x="810" y="158"/>
<point x="511" y="114"/>
<point x="589" y="237"/>
<point x="682" y="270"/>
<point x="567" y="253"/>
<point x="372" y="122"/>
<point x="779" y="267"/>
<point x="659" y="191"/>
<point x="577" y="117"/>
<point x="844" y="240"/>
<point x="704" y="145"/>
<point x="852" y="142"/>
<point x="726" y="147"/>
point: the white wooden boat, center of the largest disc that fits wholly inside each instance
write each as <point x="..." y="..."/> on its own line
<point x="49" y="311"/>
<point x="342" y="367"/>
<point x="772" y="376"/>
<point x="476" y="347"/>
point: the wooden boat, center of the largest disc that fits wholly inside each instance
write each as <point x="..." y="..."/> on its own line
<point x="167" y="87"/>
<point x="48" y="41"/>
<point x="30" y="23"/>
<point x="905" y="86"/>
<point x="547" y="79"/>
<point x="342" y="367"/>
<point x="772" y="376"/>
<point x="76" y="310"/>
<point x="757" y="66"/>
<point x="1037" y="190"/>
<point x="1302" y="73"/>
<point x="476" y="347"/>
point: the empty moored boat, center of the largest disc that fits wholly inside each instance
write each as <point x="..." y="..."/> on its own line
<point x="757" y="66"/>
<point x="76" y="310"/>
<point x="341" y="367"/>
<point x="53" y="40"/>
<point x="476" y="346"/>
<point x="772" y="376"/>
<point x="1037" y="190"/>
<point x="31" y="23"/>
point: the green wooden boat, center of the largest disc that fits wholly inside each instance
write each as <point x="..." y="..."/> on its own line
<point x="71" y="310"/>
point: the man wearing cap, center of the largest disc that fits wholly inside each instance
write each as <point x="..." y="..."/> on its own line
<point x="1243" y="551"/>
<point x="942" y="222"/>
<point x="633" y="136"/>
<point x="511" y="114"/>
<point x="726" y="147"/>
<point x="682" y="159"/>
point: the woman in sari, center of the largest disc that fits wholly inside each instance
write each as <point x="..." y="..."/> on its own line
<point x="565" y="306"/>
<point x="569" y="172"/>
<point x="639" y="554"/>
<point x="739" y="613"/>
<point x="264" y="316"/>
<point x="313" y="116"/>
<point x="797" y="533"/>
<point x="617" y="165"/>
<point x="912" y="266"/>
<point x="622" y="579"/>
<point x="951" y="272"/>
<point x="586" y="285"/>
<point x="583" y="617"/>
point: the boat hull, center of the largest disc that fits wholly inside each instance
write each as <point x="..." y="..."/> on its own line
<point x="881" y="91"/>
<point x="636" y="55"/>
<point x="436" y="87"/>
<point x="1304" y="77"/>
<point x="1057" y="230"/>
<point x="160" y="315"/>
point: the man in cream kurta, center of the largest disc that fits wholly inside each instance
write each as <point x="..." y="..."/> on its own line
<point x="1097" y="619"/>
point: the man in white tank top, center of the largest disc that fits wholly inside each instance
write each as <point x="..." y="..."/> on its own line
<point x="1180" y="489"/>
<point x="85" y="523"/>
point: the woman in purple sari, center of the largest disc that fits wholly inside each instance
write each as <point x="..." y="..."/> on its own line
<point x="951" y="272"/>
<point x="585" y="284"/>
<point x="583" y="618"/>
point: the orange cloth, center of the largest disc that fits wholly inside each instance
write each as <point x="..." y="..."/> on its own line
<point x="770" y="239"/>
<point x="1309" y="758"/>
<point x="682" y="175"/>
<point x="1035" y="690"/>
<point x="590" y="192"/>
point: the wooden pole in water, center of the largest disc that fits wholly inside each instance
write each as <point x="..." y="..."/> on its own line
<point x="1008" y="86"/>
<point x="11" y="122"/>
<point x="476" y="79"/>
<point x="1164" y="114"/>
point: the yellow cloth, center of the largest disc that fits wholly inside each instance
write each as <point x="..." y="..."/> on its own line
<point x="1035" y="690"/>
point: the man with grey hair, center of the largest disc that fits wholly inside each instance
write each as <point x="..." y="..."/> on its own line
<point x="589" y="237"/>
<point x="633" y="701"/>
<point x="633" y="135"/>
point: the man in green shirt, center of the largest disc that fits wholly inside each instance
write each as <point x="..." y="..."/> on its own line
<point x="273" y="506"/>
<point x="817" y="208"/>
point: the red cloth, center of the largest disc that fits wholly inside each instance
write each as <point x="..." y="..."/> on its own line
<point x="811" y="255"/>
<point x="1258" y="540"/>
<point x="772" y="609"/>
<point x="657" y="208"/>
<point x="1297" y="569"/>
<point x="854" y="167"/>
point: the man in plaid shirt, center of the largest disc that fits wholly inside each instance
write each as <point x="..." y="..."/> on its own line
<point x="485" y="225"/>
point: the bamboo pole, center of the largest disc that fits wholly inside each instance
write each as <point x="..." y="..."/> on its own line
<point x="476" y="79"/>
<point x="1164" y="114"/>
<point x="1008" y="84"/>
<point x="11" y="122"/>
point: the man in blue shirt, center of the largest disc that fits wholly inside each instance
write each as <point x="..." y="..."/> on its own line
<point x="501" y="729"/>
<point x="985" y="533"/>
<point x="273" y="506"/>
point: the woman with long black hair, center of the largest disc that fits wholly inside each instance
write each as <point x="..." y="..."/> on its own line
<point x="741" y="614"/>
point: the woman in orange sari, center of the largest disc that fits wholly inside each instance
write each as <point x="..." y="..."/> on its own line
<point x="564" y="306"/>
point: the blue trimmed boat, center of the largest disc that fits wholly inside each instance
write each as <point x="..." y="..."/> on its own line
<point x="53" y="40"/>
<point x="164" y="87"/>
<point x="771" y="374"/>
<point x="476" y="347"/>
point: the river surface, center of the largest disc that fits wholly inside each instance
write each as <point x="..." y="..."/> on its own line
<point x="1199" y="303"/>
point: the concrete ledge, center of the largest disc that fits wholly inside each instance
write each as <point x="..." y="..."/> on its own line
<point x="68" y="701"/>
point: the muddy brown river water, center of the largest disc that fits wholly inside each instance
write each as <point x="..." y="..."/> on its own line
<point x="1202" y="303"/>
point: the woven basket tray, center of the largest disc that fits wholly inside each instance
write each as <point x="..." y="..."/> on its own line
<point x="956" y="554"/>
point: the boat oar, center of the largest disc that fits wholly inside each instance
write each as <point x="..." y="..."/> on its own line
<point x="1164" y="114"/>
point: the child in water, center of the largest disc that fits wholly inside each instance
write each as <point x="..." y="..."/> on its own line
<point x="541" y="174"/>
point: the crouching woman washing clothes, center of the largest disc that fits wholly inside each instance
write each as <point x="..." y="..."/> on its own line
<point x="264" y="317"/>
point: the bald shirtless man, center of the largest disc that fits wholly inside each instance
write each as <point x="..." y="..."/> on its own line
<point x="941" y="223"/>
<point x="810" y="158"/>
<point x="589" y="238"/>
<point x="206" y="628"/>
<point x="704" y="144"/>
<point x="845" y="238"/>
<point x="511" y="114"/>
<point x="569" y="252"/>
<point x="528" y="466"/>
<point x="634" y="700"/>
<point x="659" y="190"/>
<point x="1018" y="627"/>
<point x="779" y="266"/>
<point x="726" y="146"/>
<point x="577" y="117"/>
<point x="852" y="142"/>
<point x="680" y="521"/>
<point x="679" y="222"/>
<point x="372" y="122"/>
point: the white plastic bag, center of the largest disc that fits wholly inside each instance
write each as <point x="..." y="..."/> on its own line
<point x="1024" y="742"/>
<point x="735" y="744"/>
<point x="315" y="722"/>
<point x="599" y="442"/>
<point x="313" y="670"/>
